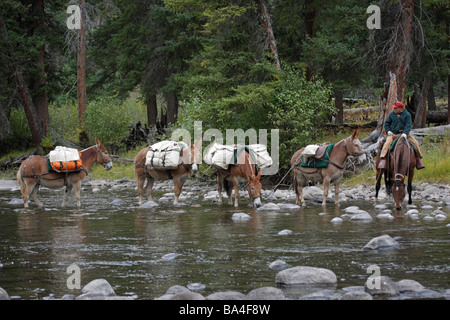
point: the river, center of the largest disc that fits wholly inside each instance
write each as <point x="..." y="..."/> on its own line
<point x="142" y="252"/>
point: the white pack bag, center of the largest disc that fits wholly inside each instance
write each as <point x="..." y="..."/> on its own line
<point x="310" y="150"/>
<point x="219" y="155"/>
<point x="63" y="154"/>
<point x="164" y="155"/>
<point x="262" y="156"/>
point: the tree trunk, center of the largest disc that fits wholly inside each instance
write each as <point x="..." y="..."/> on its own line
<point x="30" y="110"/>
<point x="24" y="94"/>
<point x="81" y="75"/>
<point x="400" y="52"/>
<point x="38" y="86"/>
<point x="269" y="32"/>
<point x="431" y="97"/>
<point x="172" y="107"/>
<point x="310" y="18"/>
<point x="152" y="110"/>
<point x="339" y="105"/>
<point x="420" y="118"/>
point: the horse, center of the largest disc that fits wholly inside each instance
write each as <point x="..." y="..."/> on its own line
<point x="190" y="160"/>
<point x="243" y="171"/>
<point x="401" y="162"/>
<point x="33" y="172"/>
<point x="334" y="172"/>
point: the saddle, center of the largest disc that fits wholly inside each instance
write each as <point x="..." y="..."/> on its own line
<point x="320" y="159"/>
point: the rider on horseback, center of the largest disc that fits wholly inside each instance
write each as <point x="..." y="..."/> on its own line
<point x="399" y="122"/>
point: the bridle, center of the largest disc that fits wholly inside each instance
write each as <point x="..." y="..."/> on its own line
<point x="350" y="148"/>
<point x="100" y="152"/>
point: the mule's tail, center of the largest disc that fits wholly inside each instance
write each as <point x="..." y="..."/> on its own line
<point x="20" y="181"/>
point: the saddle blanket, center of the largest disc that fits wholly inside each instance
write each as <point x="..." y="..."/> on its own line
<point x="63" y="159"/>
<point x="309" y="161"/>
<point x="221" y="156"/>
<point x="164" y="155"/>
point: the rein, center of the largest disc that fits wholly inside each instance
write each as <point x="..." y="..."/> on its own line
<point x="399" y="177"/>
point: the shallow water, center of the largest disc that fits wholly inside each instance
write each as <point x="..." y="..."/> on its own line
<point x="129" y="246"/>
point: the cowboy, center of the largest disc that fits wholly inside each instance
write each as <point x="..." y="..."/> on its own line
<point x="399" y="122"/>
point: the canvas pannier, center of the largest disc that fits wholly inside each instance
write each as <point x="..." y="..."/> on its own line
<point x="164" y="155"/>
<point x="221" y="156"/>
<point x="263" y="159"/>
<point x="64" y="159"/>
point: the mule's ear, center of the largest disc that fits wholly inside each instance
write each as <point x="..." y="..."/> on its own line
<point x="96" y="141"/>
<point x="259" y="175"/>
<point x="355" y="134"/>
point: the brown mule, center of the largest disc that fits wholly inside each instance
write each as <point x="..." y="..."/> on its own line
<point x="334" y="172"/>
<point x="244" y="170"/>
<point x="191" y="159"/>
<point x="33" y="172"/>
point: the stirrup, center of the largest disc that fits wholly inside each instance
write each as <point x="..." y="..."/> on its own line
<point x="382" y="164"/>
<point x="419" y="164"/>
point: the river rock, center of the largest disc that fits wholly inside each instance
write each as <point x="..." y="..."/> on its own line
<point x="407" y="285"/>
<point x="240" y="216"/>
<point x="320" y="295"/>
<point x="269" y="207"/>
<point x="356" y="295"/>
<point x="278" y="265"/>
<point x="99" y="287"/>
<point x="430" y="191"/>
<point x="440" y="217"/>
<point x="187" y="296"/>
<point x="170" y="256"/>
<point x="312" y="191"/>
<point x="285" y="232"/>
<point x="196" y="286"/>
<point x="303" y="275"/>
<point x="362" y="216"/>
<point x="177" y="289"/>
<point x="226" y="295"/>
<point x="336" y="220"/>
<point x="382" y="286"/>
<point x="148" y="205"/>
<point x="288" y="206"/>
<point x="4" y="295"/>
<point x="265" y="293"/>
<point x="16" y="201"/>
<point x="385" y="216"/>
<point x="381" y="242"/>
<point x="118" y="202"/>
<point x="281" y="194"/>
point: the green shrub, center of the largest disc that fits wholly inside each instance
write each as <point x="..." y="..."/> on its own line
<point x="19" y="137"/>
<point x="64" y="120"/>
<point x="110" y="119"/>
<point x="299" y="106"/>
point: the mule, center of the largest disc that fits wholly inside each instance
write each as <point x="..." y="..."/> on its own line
<point x="333" y="173"/>
<point x="244" y="171"/>
<point x="401" y="162"/>
<point x="33" y="173"/>
<point x="190" y="160"/>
